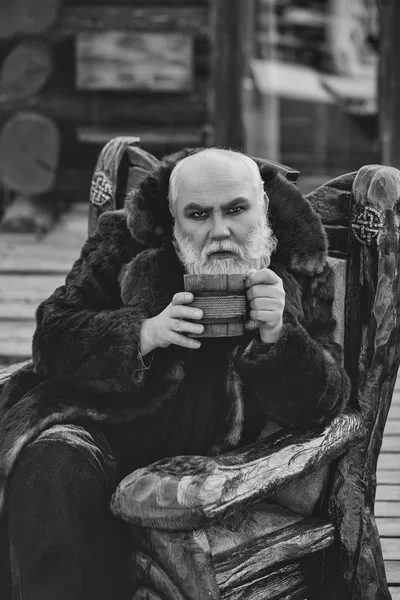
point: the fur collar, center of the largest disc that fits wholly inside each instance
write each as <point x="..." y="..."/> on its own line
<point x="302" y="243"/>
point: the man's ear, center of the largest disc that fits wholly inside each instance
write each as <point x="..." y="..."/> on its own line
<point x="266" y="200"/>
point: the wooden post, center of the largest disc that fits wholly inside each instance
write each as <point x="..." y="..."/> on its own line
<point x="262" y="105"/>
<point x="389" y="83"/>
<point x="228" y="74"/>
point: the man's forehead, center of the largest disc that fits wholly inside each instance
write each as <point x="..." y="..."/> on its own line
<point x="216" y="163"/>
<point x="216" y="170"/>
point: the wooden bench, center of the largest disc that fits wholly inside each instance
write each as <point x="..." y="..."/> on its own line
<point x="205" y="525"/>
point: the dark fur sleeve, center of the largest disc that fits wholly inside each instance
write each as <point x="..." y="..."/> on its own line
<point x="84" y="336"/>
<point x="299" y="380"/>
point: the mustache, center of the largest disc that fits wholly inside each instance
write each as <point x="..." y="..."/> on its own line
<point x="214" y="247"/>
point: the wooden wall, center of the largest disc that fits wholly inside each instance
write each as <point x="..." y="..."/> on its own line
<point x="115" y="67"/>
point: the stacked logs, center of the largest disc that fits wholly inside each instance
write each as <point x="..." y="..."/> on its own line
<point x="29" y="140"/>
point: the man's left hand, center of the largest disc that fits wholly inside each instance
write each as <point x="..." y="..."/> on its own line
<point x="266" y="296"/>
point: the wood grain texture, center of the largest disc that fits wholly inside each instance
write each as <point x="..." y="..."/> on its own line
<point x="16" y="339"/>
<point x="389" y="461"/>
<point x="290" y="544"/>
<point x="103" y="191"/>
<point x="339" y="268"/>
<point x="393" y="571"/>
<point x="291" y="581"/>
<point x="150" y="137"/>
<point x="186" y="555"/>
<point x="35" y="288"/>
<point x="25" y="70"/>
<point x="389" y="82"/>
<point x="388" y="527"/>
<point x="391" y="443"/>
<point x="213" y="325"/>
<point x="332" y="201"/>
<point x="372" y="360"/>
<point x="125" y="165"/>
<point x="77" y="107"/>
<point x="29" y="152"/>
<point x="198" y="489"/>
<point x="123" y="60"/>
<point x="145" y="593"/>
<point x="227" y="77"/>
<point x="387" y="509"/>
<point x="388" y="492"/>
<point x="144" y="569"/>
<point x="387" y="477"/>
<point x="189" y="19"/>
<point x="392" y="426"/>
<point x="338" y="241"/>
<point x="391" y="548"/>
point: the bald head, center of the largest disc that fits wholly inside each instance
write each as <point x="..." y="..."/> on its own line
<point x="209" y="171"/>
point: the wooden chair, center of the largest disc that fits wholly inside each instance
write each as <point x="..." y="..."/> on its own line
<point x="204" y="527"/>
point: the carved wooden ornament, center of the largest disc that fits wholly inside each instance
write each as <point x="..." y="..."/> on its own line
<point x="101" y="191"/>
<point x="366" y="223"/>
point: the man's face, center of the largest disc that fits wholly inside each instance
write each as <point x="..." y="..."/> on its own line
<point x="220" y="222"/>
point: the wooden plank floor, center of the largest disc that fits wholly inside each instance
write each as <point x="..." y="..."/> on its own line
<point x="31" y="270"/>
<point x="387" y="506"/>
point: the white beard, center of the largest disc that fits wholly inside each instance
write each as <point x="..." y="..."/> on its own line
<point x="255" y="253"/>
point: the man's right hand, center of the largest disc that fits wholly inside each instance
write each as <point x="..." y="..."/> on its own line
<point x="170" y="326"/>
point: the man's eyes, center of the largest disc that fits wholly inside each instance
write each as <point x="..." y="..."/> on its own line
<point x="200" y="215"/>
<point x="235" y="210"/>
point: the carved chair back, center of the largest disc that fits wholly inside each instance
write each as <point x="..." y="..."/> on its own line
<point x="360" y="213"/>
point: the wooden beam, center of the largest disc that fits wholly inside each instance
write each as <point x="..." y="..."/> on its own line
<point x="228" y="74"/>
<point x="76" y="108"/>
<point x="72" y="19"/>
<point x="389" y="83"/>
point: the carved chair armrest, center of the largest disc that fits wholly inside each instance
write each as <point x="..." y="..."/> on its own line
<point x="185" y="492"/>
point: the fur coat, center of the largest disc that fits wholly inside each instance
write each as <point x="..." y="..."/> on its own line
<point x="86" y="362"/>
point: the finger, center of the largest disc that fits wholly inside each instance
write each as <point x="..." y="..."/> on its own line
<point x="182" y="298"/>
<point x="251" y="325"/>
<point x="266" y="317"/>
<point x="180" y="340"/>
<point x="267" y="304"/>
<point x="180" y="326"/>
<point x="186" y="312"/>
<point x="264" y="291"/>
<point x="263" y="276"/>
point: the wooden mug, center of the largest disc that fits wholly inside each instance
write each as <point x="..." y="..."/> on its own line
<point x="223" y="300"/>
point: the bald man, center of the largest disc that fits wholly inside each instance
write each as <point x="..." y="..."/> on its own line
<point x="118" y="381"/>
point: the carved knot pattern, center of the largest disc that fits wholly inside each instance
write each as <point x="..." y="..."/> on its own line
<point x="366" y="223"/>
<point x="101" y="189"/>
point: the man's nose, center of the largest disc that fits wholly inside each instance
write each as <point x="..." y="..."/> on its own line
<point x="219" y="229"/>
